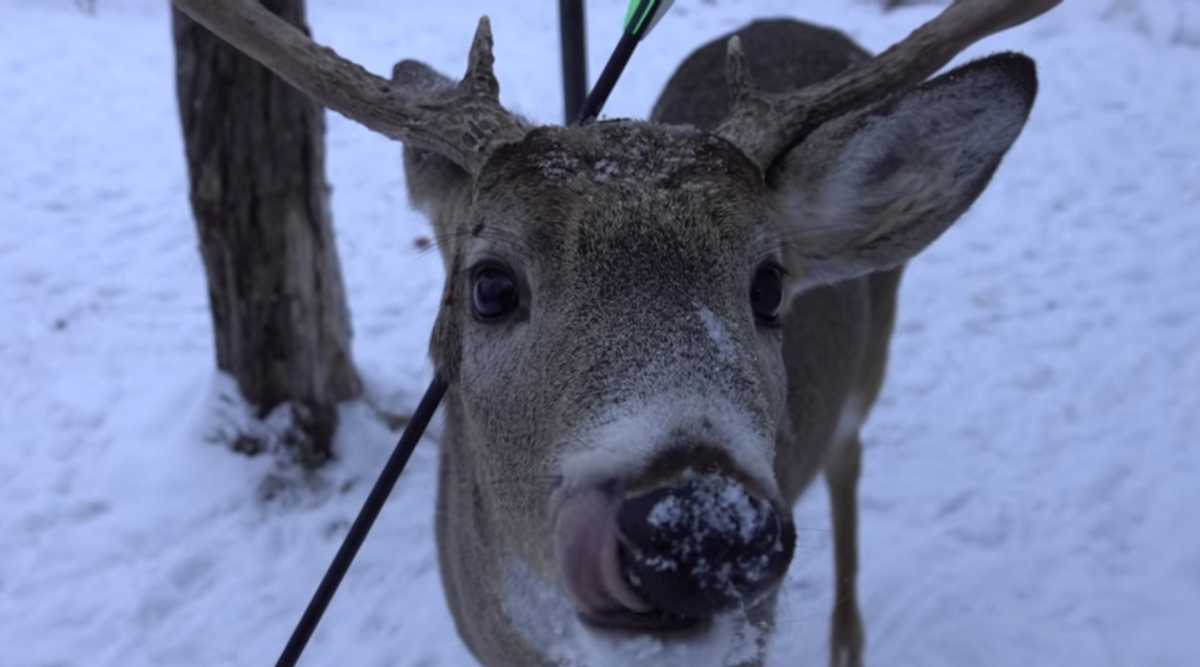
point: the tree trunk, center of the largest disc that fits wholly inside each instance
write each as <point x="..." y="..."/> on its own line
<point x="255" y="152"/>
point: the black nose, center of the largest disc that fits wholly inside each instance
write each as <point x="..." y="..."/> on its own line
<point x="702" y="545"/>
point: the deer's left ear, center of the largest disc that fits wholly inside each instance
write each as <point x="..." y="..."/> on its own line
<point x="868" y="191"/>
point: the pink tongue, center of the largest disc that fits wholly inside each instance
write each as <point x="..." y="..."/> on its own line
<point x="585" y="544"/>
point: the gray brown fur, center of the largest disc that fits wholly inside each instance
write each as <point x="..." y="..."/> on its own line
<point x="845" y="327"/>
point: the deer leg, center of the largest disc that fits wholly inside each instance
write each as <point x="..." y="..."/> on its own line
<point x="841" y="476"/>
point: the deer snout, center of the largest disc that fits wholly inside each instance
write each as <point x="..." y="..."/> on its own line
<point x="673" y="555"/>
<point x="703" y="545"/>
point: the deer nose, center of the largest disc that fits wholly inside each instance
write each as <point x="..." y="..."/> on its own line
<point x="701" y="545"/>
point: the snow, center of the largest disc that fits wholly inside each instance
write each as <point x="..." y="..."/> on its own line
<point x="1032" y="470"/>
<point x="712" y="513"/>
<point x="717" y="505"/>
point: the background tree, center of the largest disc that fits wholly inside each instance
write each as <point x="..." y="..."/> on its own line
<point x="255" y="154"/>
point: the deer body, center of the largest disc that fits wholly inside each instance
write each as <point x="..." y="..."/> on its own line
<point x="656" y="334"/>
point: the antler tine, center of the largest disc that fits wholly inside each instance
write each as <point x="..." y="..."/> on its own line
<point x="764" y="124"/>
<point x="480" y="76"/>
<point x="463" y="126"/>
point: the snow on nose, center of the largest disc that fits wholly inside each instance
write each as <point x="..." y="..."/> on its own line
<point x="673" y="556"/>
<point x="702" y="544"/>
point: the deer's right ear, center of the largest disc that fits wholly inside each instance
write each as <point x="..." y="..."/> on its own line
<point x="868" y="191"/>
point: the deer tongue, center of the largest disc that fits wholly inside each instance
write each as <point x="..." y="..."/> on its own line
<point x="585" y="545"/>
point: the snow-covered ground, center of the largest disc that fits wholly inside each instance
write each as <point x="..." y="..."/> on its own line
<point x="1032" y="482"/>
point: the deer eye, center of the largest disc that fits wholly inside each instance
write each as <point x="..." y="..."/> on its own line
<point x="766" y="293"/>
<point x="493" y="292"/>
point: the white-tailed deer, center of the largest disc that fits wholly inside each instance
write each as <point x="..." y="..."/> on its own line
<point x="656" y="334"/>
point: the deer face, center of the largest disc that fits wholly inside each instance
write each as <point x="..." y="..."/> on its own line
<point x="612" y="326"/>
<point x="611" y="333"/>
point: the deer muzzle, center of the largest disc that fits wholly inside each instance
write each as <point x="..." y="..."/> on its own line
<point x="670" y="557"/>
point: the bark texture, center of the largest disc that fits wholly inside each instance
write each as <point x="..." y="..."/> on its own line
<point x="255" y="153"/>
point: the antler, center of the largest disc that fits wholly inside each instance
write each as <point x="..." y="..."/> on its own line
<point x="763" y="124"/>
<point x="463" y="125"/>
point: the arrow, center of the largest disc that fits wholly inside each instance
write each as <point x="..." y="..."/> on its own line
<point x="640" y="18"/>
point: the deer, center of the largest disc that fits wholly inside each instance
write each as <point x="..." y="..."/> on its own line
<point x="657" y="334"/>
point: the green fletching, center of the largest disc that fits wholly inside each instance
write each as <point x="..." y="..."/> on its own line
<point x="643" y="15"/>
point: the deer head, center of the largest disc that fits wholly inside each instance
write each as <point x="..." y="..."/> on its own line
<point x="613" y="321"/>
